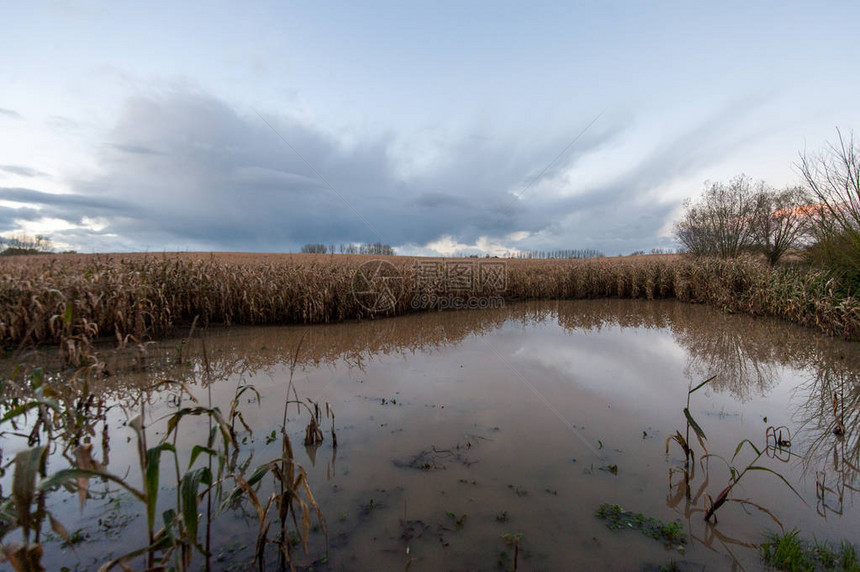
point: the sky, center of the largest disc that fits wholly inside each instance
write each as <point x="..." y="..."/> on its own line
<point x="437" y="128"/>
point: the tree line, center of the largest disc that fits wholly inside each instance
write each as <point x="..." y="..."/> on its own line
<point x="376" y="248"/>
<point x="25" y="244"/>
<point x="653" y="251"/>
<point x="819" y="218"/>
<point x="561" y="253"/>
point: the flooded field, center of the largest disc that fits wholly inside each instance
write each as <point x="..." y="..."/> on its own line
<point x="472" y="440"/>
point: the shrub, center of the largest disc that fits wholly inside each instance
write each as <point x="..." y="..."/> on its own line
<point x="833" y="178"/>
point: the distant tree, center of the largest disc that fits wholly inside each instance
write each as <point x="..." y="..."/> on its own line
<point x="721" y="221"/>
<point x="782" y="220"/>
<point x="25" y="244"/>
<point x="376" y="248"/>
<point x="563" y="253"/>
<point x="314" y="248"/>
<point x="832" y="176"/>
<point x="350" y="248"/>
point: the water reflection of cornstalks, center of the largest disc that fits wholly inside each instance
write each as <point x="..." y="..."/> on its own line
<point x="66" y="414"/>
<point x="688" y="470"/>
<point x="777" y="447"/>
<point x="690" y="507"/>
<point x="831" y="414"/>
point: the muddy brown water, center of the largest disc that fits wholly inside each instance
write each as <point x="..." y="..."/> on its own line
<point x="460" y="431"/>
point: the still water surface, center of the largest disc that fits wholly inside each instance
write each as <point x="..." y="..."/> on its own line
<point x="457" y="428"/>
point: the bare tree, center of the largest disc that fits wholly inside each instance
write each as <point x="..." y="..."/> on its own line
<point x="314" y="248"/>
<point x="782" y="220"/>
<point x="721" y="221"/>
<point x="833" y="178"/>
<point x="25" y="244"/>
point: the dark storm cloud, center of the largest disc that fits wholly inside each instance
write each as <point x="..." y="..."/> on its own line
<point x="72" y="208"/>
<point x="10" y="218"/>
<point x="191" y="171"/>
<point x="188" y="171"/>
<point x="11" y="113"/>
<point x="22" y="171"/>
<point x="74" y="202"/>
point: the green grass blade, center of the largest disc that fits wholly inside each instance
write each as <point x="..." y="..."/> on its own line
<point x="197" y="449"/>
<point x="701" y="385"/>
<point x="188" y="493"/>
<point x="168" y="517"/>
<point x="150" y="479"/>
<point x="740" y="446"/>
<point x="250" y="388"/>
<point x="16" y="411"/>
<point x="783" y="479"/>
<point x="28" y="464"/>
<point x="699" y="433"/>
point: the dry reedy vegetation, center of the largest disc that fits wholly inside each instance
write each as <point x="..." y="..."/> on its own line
<point x="71" y="299"/>
<point x="58" y="423"/>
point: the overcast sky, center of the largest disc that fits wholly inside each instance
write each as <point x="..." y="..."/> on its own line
<point x="440" y="128"/>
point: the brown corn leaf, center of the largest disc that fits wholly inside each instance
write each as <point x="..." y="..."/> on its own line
<point x="58" y="528"/>
<point x="84" y="460"/>
<point x="24" y="557"/>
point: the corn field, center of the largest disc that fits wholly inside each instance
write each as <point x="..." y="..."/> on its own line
<point x="70" y="300"/>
